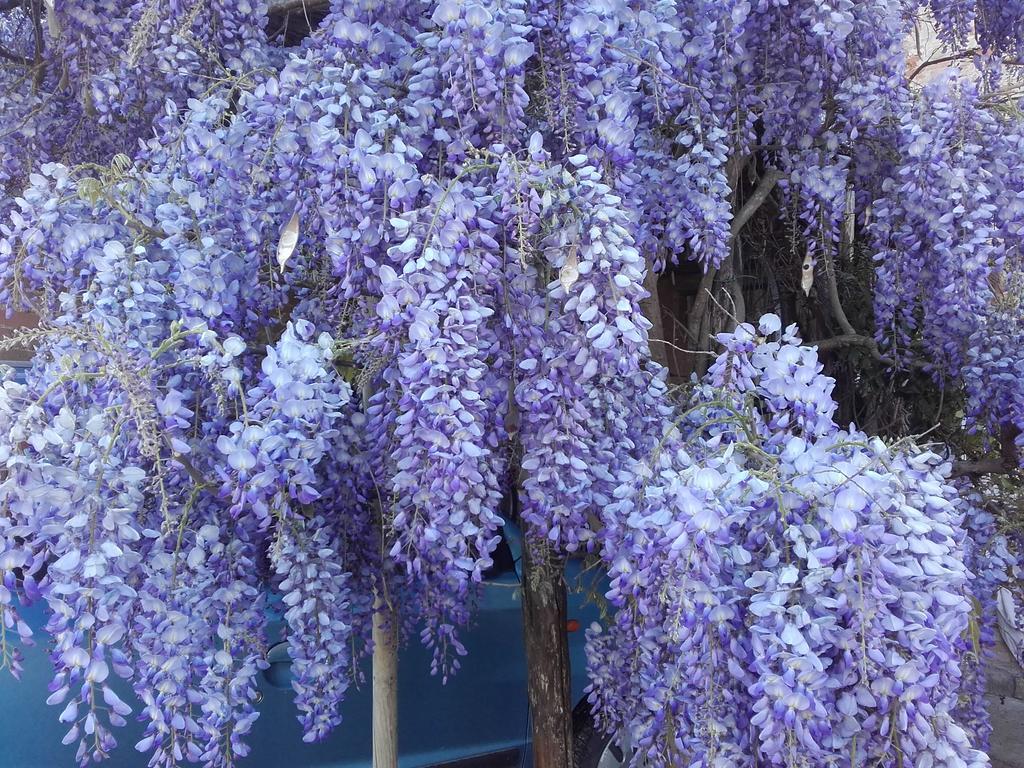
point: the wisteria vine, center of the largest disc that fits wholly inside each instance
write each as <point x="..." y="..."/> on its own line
<point x="311" y="309"/>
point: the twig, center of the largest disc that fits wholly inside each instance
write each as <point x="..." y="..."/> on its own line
<point x="750" y="207"/>
<point x="189" y="467"/>
<point x="756" y="199"/>
<point x="38" y="43"/>
<point x="15" y="57"/>
<point x="859" y="340"/>
<point x="942" y="60"/>
<point x="731" y="315"/>
<point x="845" y="246"/>
<point x="983" y="467"/>
<point x="668" y="343"/>
<point x="278" y="7"/>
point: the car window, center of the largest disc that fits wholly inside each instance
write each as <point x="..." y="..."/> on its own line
<point x="19" y="369"/>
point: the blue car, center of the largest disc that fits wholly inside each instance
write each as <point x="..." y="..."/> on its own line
<point x="480" y="719"/>
<point x="18" y="368"/>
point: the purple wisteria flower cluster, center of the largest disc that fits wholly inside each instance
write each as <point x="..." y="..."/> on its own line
<point x="96" y="72"/>
<point x="992" y="564"/>
<point x="311" y="312"/>
<point x="785" y="591"/>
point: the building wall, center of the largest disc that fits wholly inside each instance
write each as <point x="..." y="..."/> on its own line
<point x="8" y="324"/>
<point x="1005" y="686"/>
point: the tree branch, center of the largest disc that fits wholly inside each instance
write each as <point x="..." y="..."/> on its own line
<point x="745" y="213"/>
<point x="280" y="7"/>
<point x="700" y="305"/>
<point x="15" y="57"/>
<point x="942" y="60"/>
<point x="651" y="307"/>
<point x="1008" y="462"/>
<point x="1008" y="435"/>
<point x="845" y="247"/>
<point x="756" y="199"/>
<point x="845" y="340"/>
<point x="38" y="42"/>
<point x="735" y="284"/>
<point x="983" y="467"/>
<point x="1007" y="60"/>
<point x="865" y="342"/>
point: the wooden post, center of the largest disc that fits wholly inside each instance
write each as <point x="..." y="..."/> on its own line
<point x="385" y="685"/>
<point x="547" y="655"/>
<point x="385" y="651"/>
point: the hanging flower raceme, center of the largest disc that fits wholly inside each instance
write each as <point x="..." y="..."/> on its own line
<point x="604" y="80"/>
<point x="991" y="564"/>
<point x="287" y="429"/>
<point x="462" y="200"/>
<point x="993" y="371"/>
<point x="20" y="561"/>
<point x="446" y="408"/>
<point x="168" y="635"/>
<point x="228" y="688"/>
<point x="74" y="494"/>
<point x="110" y="472"/>
<point x="694" y="61"/>
<point x="782" y="588"/>
<point x="590" y="353"/>
<point x="316" y="590"/>
<point x="934" y="262"/>
<point x="470" y="86"/>
<point x="113" y="65"/>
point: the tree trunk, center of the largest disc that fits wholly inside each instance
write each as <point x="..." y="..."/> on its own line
<point x="385" y="652"/>
<point x="385" y="686"/>
<point x="547" y="655"/>
<point x="651" y="307"/>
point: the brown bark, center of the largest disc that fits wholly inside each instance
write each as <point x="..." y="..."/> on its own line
<point x="293" y="6"/>
<point x="547" y="655"/>
<point x="700" y="326"/>
<point x="651" y="307"/>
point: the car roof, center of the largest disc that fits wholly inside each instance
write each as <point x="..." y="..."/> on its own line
<point x="19" y="366"/>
